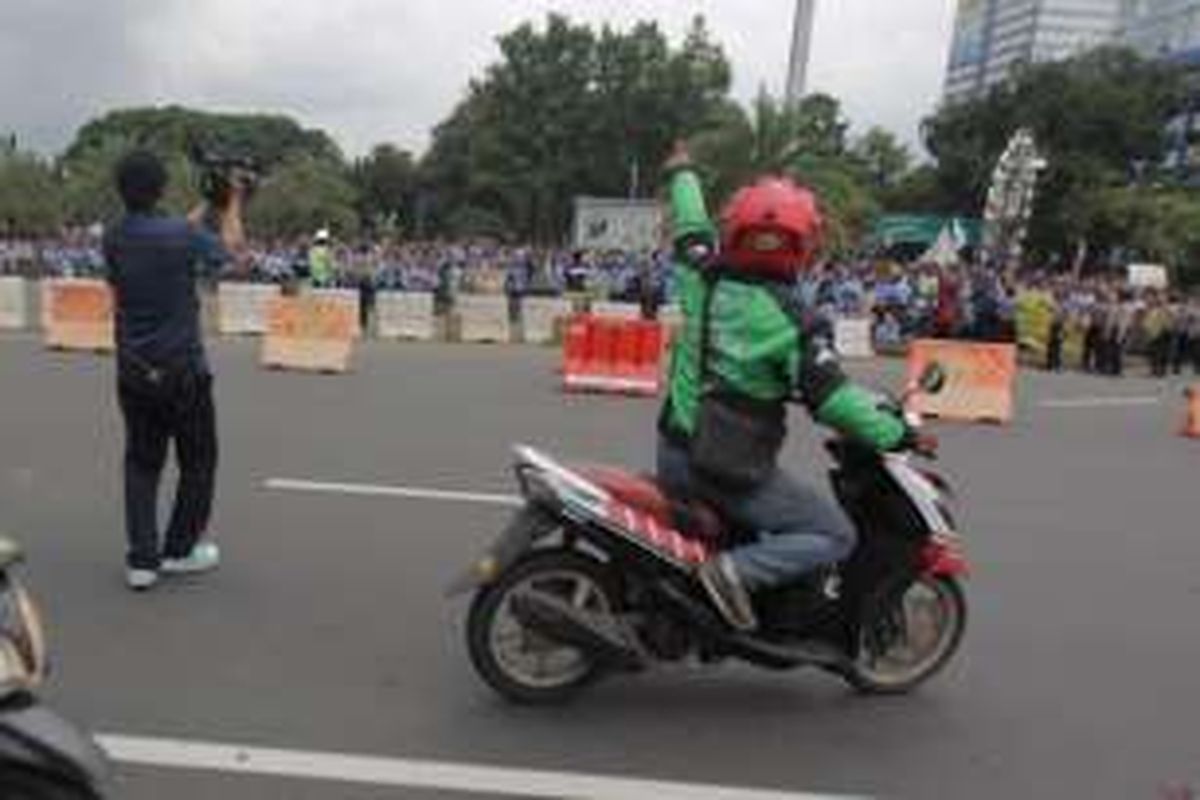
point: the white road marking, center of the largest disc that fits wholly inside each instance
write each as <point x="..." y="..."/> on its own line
<point x="1101" y="402"/>
<point x="409" y="773"/>
<point x="375" y="490"/>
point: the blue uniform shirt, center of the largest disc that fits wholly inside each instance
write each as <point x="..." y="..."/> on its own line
<point x="153" y="262"/>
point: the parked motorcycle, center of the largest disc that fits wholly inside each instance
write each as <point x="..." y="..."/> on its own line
<point x="42" y="756"/>
<point x="596" y="575"/>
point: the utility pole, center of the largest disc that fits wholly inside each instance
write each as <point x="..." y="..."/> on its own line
<point x="797" y="79"/>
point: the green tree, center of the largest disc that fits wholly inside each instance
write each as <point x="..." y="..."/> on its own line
<point x="568" y="111"/>
<point x="31" y="200"/>
<point x="301" y="196"/>
<point x="918" y="191"/>
<point x="1098" y="118"/>
<point x="386" y="183"/>
<point x="89" y="181"/>
<point x="271" y="139"/>
<point x="805" y="141"/>
<point x="883" y="158"/>
<point x="1147" y="224"/>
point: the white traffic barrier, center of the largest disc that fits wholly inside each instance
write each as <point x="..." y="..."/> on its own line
<point x="242" y="307"/>
<point x="483" y="318"/>
<point x="852" y="338"/>
<point x="540" y="316"/>
<point x="13" y="308"/>
<point x="622" y="310"/>
<point x="405" y="315"/>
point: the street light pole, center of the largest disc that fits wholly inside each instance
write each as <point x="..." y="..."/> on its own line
<point x="797" y="79"/>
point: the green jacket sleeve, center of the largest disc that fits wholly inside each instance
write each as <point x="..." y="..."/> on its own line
<point x="690" y="222"/>
<point x="852" y="411"/>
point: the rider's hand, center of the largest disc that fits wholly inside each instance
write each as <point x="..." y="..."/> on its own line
<point x="922" y="443"/>
<point x="925" y="444"/>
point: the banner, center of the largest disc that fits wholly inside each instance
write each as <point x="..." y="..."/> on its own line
<point x="405" y="315"/>
<point x="310" y="333"/>
<point x="78" y="315"/>
<point x="242" y="307"/>
<point x="483" y="318"/>
<point x="617" y="224"/>
<point x="1149" y="276"/>
<point x="13" y="308"/>
<point x="852" y="338"/>
<point x="540" y="318"/>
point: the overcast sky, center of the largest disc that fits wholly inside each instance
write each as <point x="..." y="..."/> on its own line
<point x="388" y="70"/>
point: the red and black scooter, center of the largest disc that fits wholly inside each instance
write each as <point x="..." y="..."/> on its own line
<point x="596" y="575"/>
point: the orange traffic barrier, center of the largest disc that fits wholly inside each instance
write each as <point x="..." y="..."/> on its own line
<point x="1191" y="424"/>
<point x="610" y="355"/>
<point x="78" y="315"/>
<point x="980" y="380"/>
<point x="314" y="334"/>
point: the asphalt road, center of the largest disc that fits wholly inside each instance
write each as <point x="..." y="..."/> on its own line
<point x="326" y="629"/>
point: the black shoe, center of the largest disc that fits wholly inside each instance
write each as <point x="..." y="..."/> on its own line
<point x="720" y="579"/>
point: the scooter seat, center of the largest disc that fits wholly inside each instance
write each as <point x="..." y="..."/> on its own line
<point x="694" y="519"/>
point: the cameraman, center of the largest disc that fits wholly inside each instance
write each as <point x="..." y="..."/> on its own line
<point x="164" y="384"/>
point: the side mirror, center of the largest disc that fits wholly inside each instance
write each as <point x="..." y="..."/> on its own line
<point x="933" y="378"/>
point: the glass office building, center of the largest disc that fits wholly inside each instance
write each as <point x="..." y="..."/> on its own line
<point x="993" y="36"/>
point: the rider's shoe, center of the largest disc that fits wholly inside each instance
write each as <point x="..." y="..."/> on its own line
<point x="719" y="577"/>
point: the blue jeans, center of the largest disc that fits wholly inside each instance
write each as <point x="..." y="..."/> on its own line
<point x="798" y="529"/>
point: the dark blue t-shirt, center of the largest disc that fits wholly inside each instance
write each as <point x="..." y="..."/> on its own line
<point x="153" y="262"/>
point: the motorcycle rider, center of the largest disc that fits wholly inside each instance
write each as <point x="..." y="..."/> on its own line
<point x="745" y="349"/>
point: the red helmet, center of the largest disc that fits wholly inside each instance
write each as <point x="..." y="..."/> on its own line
<point x="771" y="229"/>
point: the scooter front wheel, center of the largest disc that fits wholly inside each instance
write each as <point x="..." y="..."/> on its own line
<point x="519" y="663"/>
<point x="909" y="643"/>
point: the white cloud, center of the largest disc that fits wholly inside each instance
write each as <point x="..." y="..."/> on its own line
<point x="388" y="70"/>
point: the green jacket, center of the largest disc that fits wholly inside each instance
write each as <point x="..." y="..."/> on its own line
<point x="320" y="265"/>
<point x="757" y="348"/>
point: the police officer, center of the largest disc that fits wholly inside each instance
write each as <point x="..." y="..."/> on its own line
<point x="164" y="383"/>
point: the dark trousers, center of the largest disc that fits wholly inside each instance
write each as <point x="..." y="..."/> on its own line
<point x="366" y="308"/>
<point x="1160" y="354"/>
<point x="1091" y="349"/>
<point x="1181" y="350"/>
<point x="1112" y="356"/>
<point x="179" y="410"/>
<point x="1054" y="350"/>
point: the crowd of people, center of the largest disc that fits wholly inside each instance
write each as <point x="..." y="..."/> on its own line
<point x="1091" y="323"/>
<point x="1097" y="321"/>
<point x="406" y="266"/>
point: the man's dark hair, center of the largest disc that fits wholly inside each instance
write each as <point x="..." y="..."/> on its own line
<point x="141" y="178"/>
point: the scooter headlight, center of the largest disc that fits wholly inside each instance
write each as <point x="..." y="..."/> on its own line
<point x="23" y="662"/>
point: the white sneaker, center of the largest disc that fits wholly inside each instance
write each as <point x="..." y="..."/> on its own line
<point x="139" y="580"/>
<point x="205" y="557"/>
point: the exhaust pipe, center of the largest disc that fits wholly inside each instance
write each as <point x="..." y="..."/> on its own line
<point x="597" y="635"/>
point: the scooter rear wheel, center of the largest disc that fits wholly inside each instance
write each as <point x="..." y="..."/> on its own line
<point x="520" y="664"/>
<point x="930" y="626"/>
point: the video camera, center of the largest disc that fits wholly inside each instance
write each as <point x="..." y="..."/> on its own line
<point x="218" y="171"/>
